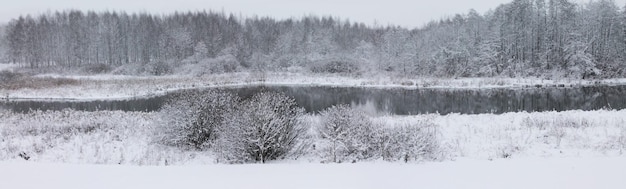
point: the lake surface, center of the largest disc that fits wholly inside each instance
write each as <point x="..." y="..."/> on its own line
<point x="388" y="100"/>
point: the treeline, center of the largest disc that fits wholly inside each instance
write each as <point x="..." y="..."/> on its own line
<point x="555" y="38"/>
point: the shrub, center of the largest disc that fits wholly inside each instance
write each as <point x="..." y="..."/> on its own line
<point x="346" y="134"/>
<point x="265" y="127"/>
<point x="411" y="142"/>
<point x="159" y="68"/>
<point x="13" y="81"/>
<point x="335" y="66"/>
<point x="207" y="66"/>
<point x="192" y="118"/>
<point x="97" y="68"/>
<point x="7" y="76"/>
<point x="221" y="64"/>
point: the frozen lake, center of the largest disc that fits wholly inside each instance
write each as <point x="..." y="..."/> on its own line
<point x="387" y="100"/>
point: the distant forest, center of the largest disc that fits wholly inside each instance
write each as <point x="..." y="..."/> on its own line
<point x="542" y="38"/>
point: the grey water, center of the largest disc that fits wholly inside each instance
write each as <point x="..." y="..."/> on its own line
<point x="385" y="100"/>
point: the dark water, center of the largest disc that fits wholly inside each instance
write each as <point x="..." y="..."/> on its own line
<point x="394" y="101"/>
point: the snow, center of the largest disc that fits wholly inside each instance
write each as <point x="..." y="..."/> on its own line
<point x="573" y="133"/>
<point x="124" y="87"/>
<point x="7" y="67"/>
<point x="120" y="153"/>
<point x="551" y="173"/>
<point x="116" y="137"/>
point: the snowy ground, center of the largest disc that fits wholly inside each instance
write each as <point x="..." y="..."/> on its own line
<point x="72" y="149"/>
<point x="570" y="173"/>
<point x="117" y="86"/>
<point x="114" y="149"/>
<point x="115" y="137"/>
<point x="8" y="67"/>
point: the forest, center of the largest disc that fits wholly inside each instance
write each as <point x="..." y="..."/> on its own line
<point x="523" y="38"/>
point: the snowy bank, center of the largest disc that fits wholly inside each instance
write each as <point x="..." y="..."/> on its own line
<point x="102" y="137"/>
<point x="113" y="149"/>
<point x="572" y="133"/>
<point x="535" y="173"/>
<point x="117" y="137"/>
<point x="120" y="87"/>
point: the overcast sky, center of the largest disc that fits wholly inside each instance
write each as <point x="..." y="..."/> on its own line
<point x="407" y="13"/>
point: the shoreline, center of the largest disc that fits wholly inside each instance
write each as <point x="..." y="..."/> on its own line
<point x="122" y="87"/>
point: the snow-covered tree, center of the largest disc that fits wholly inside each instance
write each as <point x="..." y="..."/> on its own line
<point x="580" y="63"/>
<point x="367" y="54"/>
<point x="193" y="118"/>
<point x="346" y="134"/>
<point x="395" y="54"/>
<point x="410" y="142"/>
<point x="486" y="60"/>
<point x="264" y="128"/>
<point x="200" y="52"/>
<point x="520" y="38"/>
<point x="3" y="44"/>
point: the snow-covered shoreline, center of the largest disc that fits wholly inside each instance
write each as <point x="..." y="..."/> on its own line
<point x="512" y="150"/>
<point x="110" y="87"/>
<point x="116" y="137"/>
<point x="114" y="149"/>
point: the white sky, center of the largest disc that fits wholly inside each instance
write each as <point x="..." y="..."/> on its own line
<point x="407" y="13"/>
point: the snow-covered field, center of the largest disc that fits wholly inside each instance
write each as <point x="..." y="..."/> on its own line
<point x="114" y="149"/>
<point x="7" y="67"/>
<point x="570" y="173"/>
<point x="115" y="137"/>
<point x="118" y="86"/>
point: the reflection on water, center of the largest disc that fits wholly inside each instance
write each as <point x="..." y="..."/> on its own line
<point x="394" y="101"/>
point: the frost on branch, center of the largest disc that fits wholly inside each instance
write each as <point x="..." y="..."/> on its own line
<point x="579" y="63"/>
<point x="346" y="134"/>
<point x="191" y="119"/>
<point x="265" y="127"/>
<point x="410" y="142"/>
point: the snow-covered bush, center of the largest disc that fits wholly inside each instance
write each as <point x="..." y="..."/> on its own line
<point x="304" y="144"/>
<point x="11" y="80"/>
<point x="159" y="67"/>
<point x="128" y="69"/>
<point x="346" y="134"/>
<point x="192" y="118"/>
<point x="410" y="142"/>
<point x="264" y="127"/>
<point x="617" y="142"/>
<point x="580" y="63"/>
<point x="97" y="68"/>
<point x="220" y="64"/>
<point x="337" y="65"/>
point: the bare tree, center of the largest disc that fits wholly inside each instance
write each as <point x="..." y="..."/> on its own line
<point x="194" y="118"/>
<point x="264" y="127"/>
<point x="346" y="134"/>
